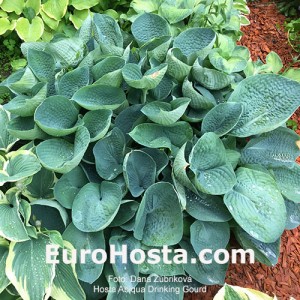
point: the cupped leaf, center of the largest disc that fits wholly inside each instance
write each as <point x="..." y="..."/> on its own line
<point x="20" y="164"/>
<point x="133" y="76"/>
<point x="57" y="116"/>
<point x="257" y="205"/>
<point x="160" y="158"/>
<point x="6" y="139"/>
<point x="23" y="261"/>
<point x="109" y="154"/>
<point x="30" y="32"/>
<point x="99" y="97"/>
<point x="165" y="113"/>
<point x="159" y="136"/>
<point x="126" y="212"/>
<point x="222" y="118"/>
<point x="159" y="218"/>
<point x="89" y="271"/>
<point x="24" y="84"/>
<point x="72" y="81"/>
<point x="214" y="175"/>
<point x="95" y="206"/>
<point x="97" y="122"/>
<point x="268" y="101"/>
<point x="272" y="149"/>
<point x="61" y="156"/>
<point x="139" y="171"/>
<point x="149" y="26"/>
<point x="193" y="40"/>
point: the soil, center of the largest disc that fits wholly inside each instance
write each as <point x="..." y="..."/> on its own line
<point x="265" y="34"/>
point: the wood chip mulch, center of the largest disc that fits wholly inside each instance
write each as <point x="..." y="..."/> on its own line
<point x="265" y="34"/>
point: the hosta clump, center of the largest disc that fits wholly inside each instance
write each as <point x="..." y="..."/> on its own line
<point x="162" y="141"/>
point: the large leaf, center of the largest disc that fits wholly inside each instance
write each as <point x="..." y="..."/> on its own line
<point x="57" y="116"/>
<point x="139" y="171"/>
<point x="268" y="101"/>
<point x="61" y="156"/>
<point x="4" y="281"/>
<point x="109" y="154"/>
<point x="99" y="97"/>
<point x="95" y="206"/>
<point x="293" y="214"/>
<point x="27" y="269"/>
<point x="55" y="9"/>
<point x="13" y="6"/>
<point x="89" y="271"/>
<point x="6" y="140"/>
<point x="257" y="205"/>
<point x="30" y="32"/>
<point x="159" y="218"/>
<point x="159" y="136"/>
<point x="214" y="175"/>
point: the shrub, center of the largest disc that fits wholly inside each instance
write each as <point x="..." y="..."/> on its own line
<point x="141" y="143"/>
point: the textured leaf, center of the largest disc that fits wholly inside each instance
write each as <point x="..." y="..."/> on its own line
<point x="257" y="205"/>
<point x="268" y="101"/>
<point x="25" y="84"/>
<point x="95" y="206"/>
<point x="159" y="218"/>
<point x="293" y="214"/>
<point x="30" y="32"/>
<point x="95" y="97"/>
<point x="61" y="156"/>
<point x="55" y="9"/>
<point x="89" y="271"/>
<point x="109" y="154"/>
<point x="222" y="118"/>
<point x="57" y="116"/>
<point x="126" y="212"/>
<point x="4" y="281"/>
<point x="160" y="158"/>
<point x="139" y="171"/>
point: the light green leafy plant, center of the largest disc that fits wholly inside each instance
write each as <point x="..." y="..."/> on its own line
<point x="143" y="144"/>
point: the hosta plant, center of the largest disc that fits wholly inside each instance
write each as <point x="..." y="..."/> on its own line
<point x="160" y="141"/>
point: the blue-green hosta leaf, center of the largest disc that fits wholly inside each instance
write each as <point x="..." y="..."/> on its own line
<point x="55" y="10"/>
<point x="6" y="140"/>
<point x="4" y="281"/>
<point x="65" y="283"/>
<point x="95" y="97"/>
<point x="125" y="270"/>
<point x="177" y="64"/>
<point x="139" y="171"/>
<point x="42" y="209"/>
<point x="163" y="89"/>
<point x="222" y="118"/>
<point x="95" y="206"/>
<point x="206" y="208"/>
<point x="230" y="65"/>
<point x="72" y="81"/>
<point x="268" y="101"/>
<point x="293" y="214"/>
<point x="19" y="165"/>
<point x="156" y="48"/>
<point x="201" y="99"/>
<point x="156" y="288"/>
<point x="109" y="154"/>
<point x="25" y="128"/>
<point x="159" y="136"/>
<point x="107" y="31"/>
<point x="57" y="116"/>
<point x="68" y="186"/>
<point x="208" y="274"/>
<point x="149" y="26"/>
<point x="193" y="40"/>
<point x="25" y="84"/>
<point x="257" y="205"/>
<point x="30" y="32"/>
<point x="89" y="291"/>
<point x="68" y="52"/>
<point x="79" y="5"/>
<point x="42" y="64"/>
<point x="214" y="175"/>
<point x="267" y="254"/>
<point x="89" y="271"/>
<point x="272" y="149"/>
<point x="133" y="76"/>
<point x="61" y="156"/>
<point x="159" y="218"/>
<point x="126" y="212"/>
<point x="288" y="181"/>
<point x="27" y="269"/>
<point x="209" y="78"/>
<point x="209" y="235"/>
<point x="25" y="106"/>
<point x="97" y="122"/>
<point x="108" y="71"/>
<point x="11" y="226"/>
<point x="165" y="113"/>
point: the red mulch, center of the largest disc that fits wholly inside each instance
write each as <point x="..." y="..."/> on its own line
<point x="266" y="33"/>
